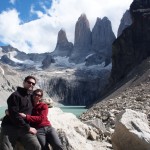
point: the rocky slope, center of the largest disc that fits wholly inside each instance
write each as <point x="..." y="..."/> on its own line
<point x="9" y="80"/>
<point x="134" y="94"/>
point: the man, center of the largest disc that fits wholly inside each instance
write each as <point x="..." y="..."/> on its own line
<point x="14" y="127"/>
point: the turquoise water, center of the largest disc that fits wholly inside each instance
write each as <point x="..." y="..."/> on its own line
<point x="2" y="111"/>
<point x="76" y="110"/>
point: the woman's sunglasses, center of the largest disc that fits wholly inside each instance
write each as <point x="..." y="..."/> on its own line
<point x="38" y="95"/>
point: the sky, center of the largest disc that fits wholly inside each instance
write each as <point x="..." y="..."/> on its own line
<point x="32" y="26"/>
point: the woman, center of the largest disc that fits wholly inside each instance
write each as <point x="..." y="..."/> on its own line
<point x="45" y="132"/>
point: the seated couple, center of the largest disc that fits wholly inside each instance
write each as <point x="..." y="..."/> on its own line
<point x="34" y="131"/>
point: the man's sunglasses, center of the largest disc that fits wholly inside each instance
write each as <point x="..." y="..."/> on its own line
<point x="29" y="82"/>
<point x="38" y="95"/>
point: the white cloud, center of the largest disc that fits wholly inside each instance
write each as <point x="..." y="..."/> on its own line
<point x="41" y="35"/>
<point x="36" y="36"/>
<point x="12" y="1"/>
<point x="9" y="25"/>
<point x="68" y="12"/>
<point x="38" y="13"/>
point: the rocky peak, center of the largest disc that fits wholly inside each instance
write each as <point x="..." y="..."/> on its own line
<point x="82" y="32"/>
<point x="62" y="38"/>
<point x="102" y="38"/>
<point x="63" y="47"/>
<point x="82" y="43"/>
<point x="102" y="35"/>
<point x="125" y="22"/>
<point x="83" y="20"/>
<point x="8" y="48"/>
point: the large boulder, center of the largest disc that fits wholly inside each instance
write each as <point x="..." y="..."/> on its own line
<point x="74" y="134"/>
<point x="131" y="131"/>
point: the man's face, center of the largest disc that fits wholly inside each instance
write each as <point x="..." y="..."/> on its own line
<point x="29" y="84"/>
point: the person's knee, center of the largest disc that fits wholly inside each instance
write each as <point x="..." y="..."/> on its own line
<point x="37" y="146"/>
<point x="33" y="146"/>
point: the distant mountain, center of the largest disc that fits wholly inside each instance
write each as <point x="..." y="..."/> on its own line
<point x="102" y="39"/>
<point x="20" y="60"/>
<point x="71" y="74"/>
<point x="90" y="47"/>
<point x="63" y="47"/>
<point x="125" y="22"/>
<point x="83" y="40"/>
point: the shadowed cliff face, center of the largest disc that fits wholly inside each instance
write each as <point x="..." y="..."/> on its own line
<point x="125" y="22"/>
<point x="133" y="45"/>
<point x="82" y="87"/>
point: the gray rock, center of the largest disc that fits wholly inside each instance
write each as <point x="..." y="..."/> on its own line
<point x="4" y="59"/>
<point x="125" y="22"/>
<point x="63" y="47"/>
<point x="133" y="45"/>
<point x="9" y="80"/>
<point x="47" y="61"/>
<point x="82" y="43"/>
<point x="131" y="131"/>
<point x="102" y="39"/>
<point x="73" y="133"/>
<point x="81" y="88"/>
<point x="97" y="123"/>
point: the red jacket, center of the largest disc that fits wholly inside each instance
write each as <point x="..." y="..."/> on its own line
<point x="39" y="116"/>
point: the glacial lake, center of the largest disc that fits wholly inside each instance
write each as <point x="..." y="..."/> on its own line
<point x="2" y="111"/>
<point x="76" y="110"/>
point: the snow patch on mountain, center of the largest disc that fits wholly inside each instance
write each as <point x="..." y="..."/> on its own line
<point x="11" y="55"/>
<point x="89" y="55"/>
<point x="62" y="63"/>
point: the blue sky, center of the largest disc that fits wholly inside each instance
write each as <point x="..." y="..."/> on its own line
<point x="32" y="25"/>
<point x="24" y="7"/>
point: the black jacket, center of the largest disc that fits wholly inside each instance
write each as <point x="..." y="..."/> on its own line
<point x="18" y="102"/>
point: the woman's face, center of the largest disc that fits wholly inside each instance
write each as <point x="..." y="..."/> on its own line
<point x="37" y="96"/>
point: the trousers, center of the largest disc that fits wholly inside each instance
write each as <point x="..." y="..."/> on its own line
<point x="48" y="135"/>
<point x="10" y="135"/>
